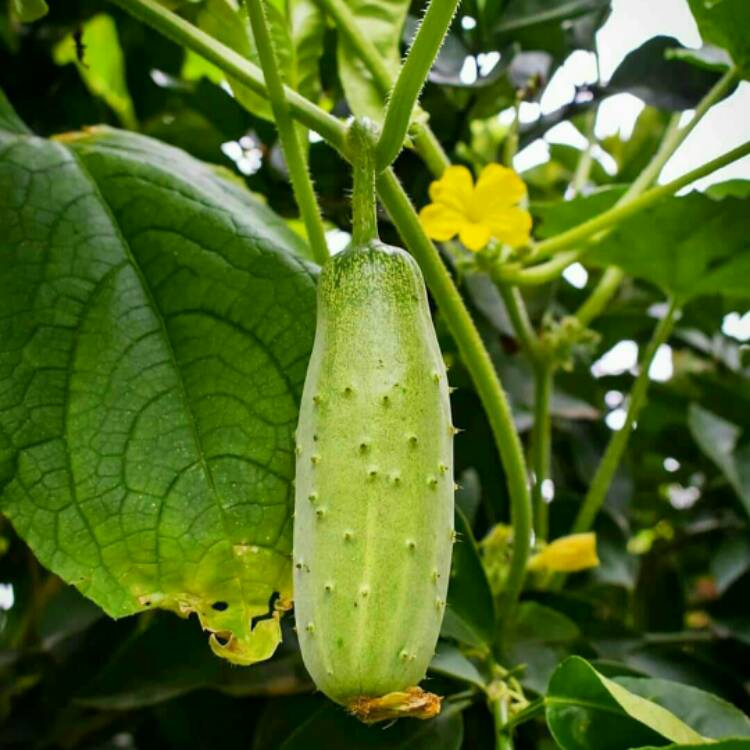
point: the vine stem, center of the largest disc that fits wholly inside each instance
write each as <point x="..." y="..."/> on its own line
<point x="172" y="26"/>
<point x="541" y="434"/>
<point x="586" y="159"/>
<point x="424" y="140"/>
<point x="560" y="244"/>
<point x="673" y="139"/>
<point x="477" y="360"/>
<point x="503" y="740"/>
<point x="302" y="186"/>
<point x="624" y="210"/>
<point x="438" y="279"/>
<point x="519" y="319"/>
<point x="541" y="446"/>
<point x="605" y="472"/>
<point x="411" y="78"/>
<point x="361" y="147"/>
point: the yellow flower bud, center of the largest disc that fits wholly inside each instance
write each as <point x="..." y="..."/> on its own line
<point x="567" y="554"/>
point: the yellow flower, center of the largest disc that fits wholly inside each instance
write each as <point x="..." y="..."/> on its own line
<point x="567" y="554"/>
<point x="477" y="213"/>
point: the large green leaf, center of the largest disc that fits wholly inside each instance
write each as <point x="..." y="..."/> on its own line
<point x="726" y="23"/>
<point x="689" y="246"/>
<point x="587" y="711"/>
<point x="705" y="713"/>
<point x="663" y="81"/>
<point x="155" y="323"/>
<point x="718" y="439"/>
<point x="381" y="21"/>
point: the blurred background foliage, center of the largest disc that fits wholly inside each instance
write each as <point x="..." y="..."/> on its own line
<point x="669" y="599"/>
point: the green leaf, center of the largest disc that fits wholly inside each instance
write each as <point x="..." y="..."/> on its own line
<point x="9" y="120"/>
<point x="543" y="24"/>
<point x="718" y="439"/>
<point x="296" y="28"/>
<point x="155" y="325"/>
<point x="223" y="20"/>
<point x="738" y="743"/>
<point x="307" y="25"/>
<point x="539" y="639"/>
<point x="521" y="14"/>
<point x="382" y="23"/>
<point x="707" y="57"/>
<point x="705" y="713"/>
<point x="689" y="246"/>
<point x="450" y="661"/>
<point x="725" y="23"/>
<point x="557" y="216"/>
<point x="660" y="80"/>
<point x="587" y="711"/>
<point x="330" y="727"/>
<point x="102" y="67"/>
<point x="30" y="10"/>
<point x="169" y="659"/>
<point x="470" y="613"/>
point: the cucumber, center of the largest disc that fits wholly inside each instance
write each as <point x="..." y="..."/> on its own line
<point x="373" y="526"/>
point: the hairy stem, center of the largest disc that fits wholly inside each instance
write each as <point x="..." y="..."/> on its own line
<point x="616" y="447"/>
<point x="484" y="376"/>
<point x="411" y="78"/>
<point x="361" y="148"/>
<point x="424" y="139"/>
<point x="184" y="33"/>
<point x="302" y="186"/>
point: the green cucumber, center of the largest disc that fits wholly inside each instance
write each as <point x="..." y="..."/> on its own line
<point x="373" y="527"/>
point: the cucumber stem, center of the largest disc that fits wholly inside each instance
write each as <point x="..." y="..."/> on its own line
<point x="361" y="139"/>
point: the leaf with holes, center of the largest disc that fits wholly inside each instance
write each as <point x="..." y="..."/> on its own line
<point x="155" y="325"/>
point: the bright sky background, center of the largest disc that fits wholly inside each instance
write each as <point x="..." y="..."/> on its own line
<point x="631" y="24"/>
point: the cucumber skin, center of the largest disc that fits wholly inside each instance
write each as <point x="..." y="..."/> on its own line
<point x="373" y="526"/>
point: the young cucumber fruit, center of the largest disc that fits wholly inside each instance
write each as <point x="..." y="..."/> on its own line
<point x="373" y="525"/>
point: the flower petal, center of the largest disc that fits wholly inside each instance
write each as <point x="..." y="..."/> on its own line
<point x="497" y="187"/>
<point x="440" y="221"/>
<point x="455" y="188"/>
<point x="474" y="235"/>
<point x="567" y="554"/>
<point x="511" y="226"/>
